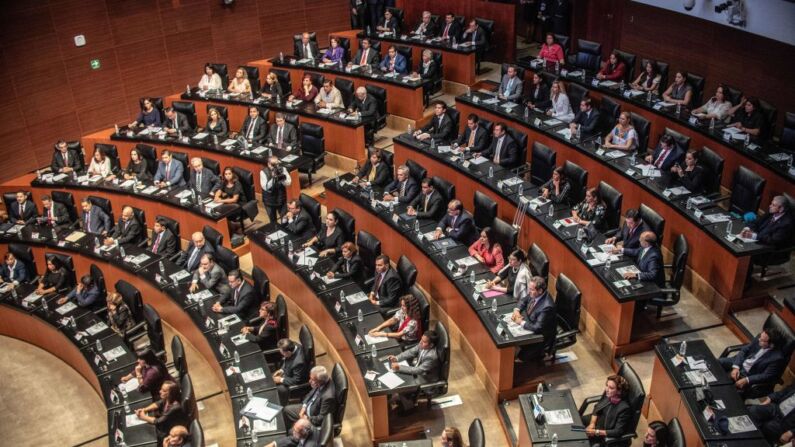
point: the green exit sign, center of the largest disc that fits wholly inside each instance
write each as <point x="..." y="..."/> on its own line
<point x="95" y="64"/>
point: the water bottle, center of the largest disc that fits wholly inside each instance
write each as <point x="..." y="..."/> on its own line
<point x="290" y="247"/>
<point x="433" y="143"/>
<point x="540" y="391"/>
<point x="526" y="113"/>
<point x="337" y="178"/>
<point x="45" y="306"/>
<point x="162" y="268"/>
<point x="520" y="190"/>
<point x="683" y="348"/>
<point x="98" y="346"/>
<point x="417" y="226"/>
<point x="472" y="277"/>
<point x="747" y="140"/>
<point x="72" y="322"/>
<point x="373" y="351"/>
<point x="578" y="132"/>
<point x="360" y="316"/>
<point x="621" y="86"/>
<point x="253" y="436"/>
<point x="281" y="56"/>
<point x="557" y="66"/>
<point x="712" y="124"/>
<point x="14" y="293"/>
<point x="632" y="158"/>
<point x="249" y="393"/>
<point x="96" y="242"/>
<point x="187" y="89"/>
<point x="678" y="109"/>
<point x="491" y="171"/>
<point x="729" y="227"/>
<point x="554" y="442"/>
<point x="551" y="210"/>
<point x="580" y="234"/>
<point x="116" y="127"/>
<point x="648" y="97"/>
<point x="408" y="129"/>
<point x="53" y="233"/>
<point x="608" y="262"/>
<point x="215" y="139"/>
<point x="237" y="357"/>
<point x="127" y="409"/>
<point x="122" y="252"/>
<point x="444" y="250"/>
<point x="494" y="306"/>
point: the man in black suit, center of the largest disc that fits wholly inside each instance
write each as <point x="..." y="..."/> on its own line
<point x="648" y="259"/>
<point x="426" y="26"/>
<point x="503" y="150"/>
<point x="306" y="49"/>
<point x="761" y="362"/>
<point x="94" y="220"/>
<point x="358" y="14"/>
<point x="254" y="128"/>
<point x="53" y="214"/>
<point x="587" y="119"/>
<point x="366" y="55"/>
<point x="457" y="224"/>
<point x="282" y="134"/>
<point x="450" y="30"/>
<point x="386" y="285"/>
<point x="429" y="204"/>
<point x="23" y="211"/>
<point x="374" y="171"/>
<point x="197" y="247"/>
<point x="294" y="369"/>
<point x="775" y="417"/>
<point x="666" y="154"/>
<point x="127" y="231"/>
<point x="176" y="121"/>
<point x="203" y="180"/>
<point x="538" y="94"/>
<point x="240" y="299"/>
<point x="629" y="235"/>
<point x="164" y="243"/>
<point x="427" y="70"/>
<point x="474" y="35"/>
<point x="774" y="228"/>
<point x="65" y="160"/>
<point x="536" y="313"/>
<point x="475" y="137"/>
<point x="386" y="22"/>
<point x="297" y="220"/>
<point x="403" y="189"/>
<point x="319" y="402"/>
<point x="440" y="127"/>
<point x="366" y="107"/>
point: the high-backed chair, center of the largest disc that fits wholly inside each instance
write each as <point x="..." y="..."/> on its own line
<point x="485" y="210"/>
<point x="369" y="249"/>
<point x="66" y="199"/>
<point x="253" y="79"/>
<point x="588" y="56"/>
<point x="347" y="223"/>
<point x="180" y="363"/>
<point x="643" y="129"/>
<point x="542" y="163"/>
<point x="506" y="235"/>
<point x="148" y="153"/>
<point x="770" y="114"/>
<point x="612" y="199"/>
<point x="670" y="294"/>
<point x="635" y="397"/>
<point x="662" y="70"/>
<point x="312" y="207"/>
<point x="345" y="86"/>
<point x="171" y="224"/>
<point x="283" y="76"/>
<point x="746" y="195"/>
<point x="222" y="110"/>
<point x="653" y="220"/>
<point x="521" y="144"/>
<point x="455" y="117"/>
<point x="112" y="153"/>
<point x="476" y="435"/>
<point x="445" y="188"/>
<point x="405" y="52"/>
<point x="213" y="236"/>
<point x="313" y="145"/>
<point x="132" y="298"/>
<point x="733" y="94"/>
<point x="196" y="434"/>
<point x="629" y="60"/>
<point x="407" y="272"/>
<point x="188" y="402"/>
<point x="182" y="158"/>
<point x="262" y="284"/>
<point x="227" y="259"/>
<point x="416" y="171"/>
<point x="98" y="278"/>
<point x="539" y="262"/>
<point x="568" y="300"/>
<point x="682" y="140"/>
<point x="65" y="261"/>
<point x="104" y="204"/>
<point x="697" y="84"/>
<point x="188" y="109"/>
<point x="576" y="94"/>
<point x="488" y="31"/>
<point x="676" y="436"/>
<point x="520" y="71"/>
<point x="425" y="308"/>
<point x="787" y="140"/>
<point x="608" y="114"/>
<point x="379" y="93"/>
<point x="223" y="72"/>
<point x="712" y="163"/>
<point x="154" y="331"/>
<point x="340" y="380"/>
<point x="578" y="179"/>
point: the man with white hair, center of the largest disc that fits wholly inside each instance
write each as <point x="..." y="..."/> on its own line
<point x="403" y="189"/>
<point x="426" y="27"/>
<point x="197" y="247"/>
<point x="319" y="402"/>
<point x="367" y="109"/>
<point x="299" y="435"/>
<point x="203" y="180"/>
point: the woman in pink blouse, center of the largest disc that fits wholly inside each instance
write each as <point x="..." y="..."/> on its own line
<point x="551" y="51"/>
<point x="488" y="252"/>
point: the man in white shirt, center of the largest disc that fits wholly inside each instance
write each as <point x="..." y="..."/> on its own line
<point x="329" y="96"/>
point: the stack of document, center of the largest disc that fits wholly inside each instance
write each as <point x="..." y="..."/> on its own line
<point x="259" y="408"/>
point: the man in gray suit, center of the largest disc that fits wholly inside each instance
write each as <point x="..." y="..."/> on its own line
<point x="511" y="86"/>
<point x="203" y="180"/>
<point x="210" y="275"/>
<point x="423" y="364"/>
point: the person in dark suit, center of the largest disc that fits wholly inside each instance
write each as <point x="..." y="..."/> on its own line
<point x="457" y="224"/>
<point x="297" y="220"/>
<point x="329" y="238"/>
<point x="178" y="436"/>
<point x="202" y="180"/>
<point x="538" y="94"/>
<point x="426" y="27"/>
<point x="169" y="171"/>
<point x="85" y="294"/>
<point x="127" y="231"/>
<point x="691" y="176"/>
<point x="666" y="155"/>
<point x="164" y="243"/>
<point x="374" y="171"/>
<point x="612" y="415"/>
<point x="319" y="402"/>
<point x="293" y="370"/>
<point x="427" y="70"/>
<point x="386" y="22"/>
<point x="629" y="235"/>
<point x="429" y="204"/>
<point x="306" y="48"/>
<point x="166" y="412"/>
<point x="367" y="109"/>
<point x="94" y="219"/>
<point x="210" y="275"/>
<point x="283" y="134"/>
<point x="359" y="18"/>
<point x="450" y="29"/>
<point x="503" y="150"/>
<point x="53" y="214"/>
<point x="536" y="313"/>
<point x="23" y="211"/>
<point x="65" y="160"/>
<point x="774" y="416"/>
<point x="511" y="86"/>
<point x="55" y="278"/>
<point x="366" y="55"/>
<point x="198" y="246"/>
<point x="302" y="433"/>
<point x="403" y="189"/>
<point x="387" y="286"/>
<point x="648" y="259"/>
<point x="274" y="180"/>
<point x="760" y="362"/>
<point x="474" y="35"/>
<point x="240" y="300"/>
<point x="176" y="122"/>
<point x="440" y="127"/>
<point x="13" y="270"/>
<point x="394" y="62"/>
<point x="558" y="188"/>
<point x="775" y="227"/>
<point x="254" y="128"/>
<point x="587" y="119"/>
<point x="475" y="137"/>
<point x="349" y="265"/>
<point x="216" y="126"/>
<point x="265" y="330"/>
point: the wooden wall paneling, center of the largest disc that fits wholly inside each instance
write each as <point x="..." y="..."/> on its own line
<point x="187" y="53"/>
<point x="235" y="32"/>
<point x="133" y="21"/>
<point x="90" y="19"/>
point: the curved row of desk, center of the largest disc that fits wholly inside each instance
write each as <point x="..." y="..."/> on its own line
<point x="167" y="292"/>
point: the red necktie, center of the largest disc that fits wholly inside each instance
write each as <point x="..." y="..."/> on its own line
<point x="157" y="242"/>
<point x="364" y="57"/>
<point x="661" y="158"/>
<point x="446" y="29"/>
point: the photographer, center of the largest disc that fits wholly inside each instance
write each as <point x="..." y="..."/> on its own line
<point x="274" y="179"/>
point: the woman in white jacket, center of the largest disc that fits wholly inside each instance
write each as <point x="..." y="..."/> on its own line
<point x="561" y="108"/>
<point x="514" y="278"/>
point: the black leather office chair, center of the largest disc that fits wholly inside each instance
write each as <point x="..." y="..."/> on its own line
<point x="253" y="79"/>
<point x="437" y="81"/>
<point x="188" y="109"/>
<point x="379" y="93"/>
<point x="578" y="179"/>
<point x="180" y="363"/>
<point x="389" y="159"/>
<point x="697" y="84"/>
<point x="635" y="397"/>
<point x="539" y="262"/>
<point x="671" y="291"/>
<point x="24" y="254"/>
<point x="213" y="236"/>
<point x="431" y="390"/>
<point x="506" y="235"/>
<point x="148" y="153"/>
<point x="398" y="14"/>
<point x="485" y="210"/>
<point x="106" y="206"/>
<point x="154" y="332"/>
<point x="643" y="129"/>
<point x="712" y="163"/>
<point x="283" y="76"/>
<point x="406" y="52"/>
<point x="487" y="26"/>
<point x="340" y="380"/>
<point x="282" y="318"/>
<point x="682" y="140"/>
<point x="140" y="216"/>
<point x="98" y="278"/>
<point x="733" y="94"/>
<point x="68" y="201"/>
<point x="345" y="43"/>
<point x="653" y="220"/>
<point x="132" y="298"/>
<point x="369" y="249"/>
<point x="262" y="284"/>
<point x="347" y="223"/>
<point x="11" y="197"/>
<point x="345" y="86"/>
<point x="576" y="94"/>
<point x="223" y="72"/>
<point x="612" y="199"/>
<point x="212" y="165"/>
<point x="609" y="110"/>
<point x="313" y="145"/>
<point x="746" y="195"/>
<point x="188" y="401"/>
<point x="312" y="207"/>
<point x="407" y="272"/>
<point x="787" y="139"/>
<point x="425" y="308"/>
<point x="246" y="179"/>
<point x="65" y="261"/>
<point x="568" y="300"/>
<point x="112" y="152"/>
<point x="445" y="188"/>
<point x="227" y="259"/>
<point x="588" y="56"/>
<point x="196" y="434"/>
<point x="307" y="344"/>
<point x="629" y="60"/>
<point x="455" y="117"/>
<point x="293" y="118"/>
<point x="771" y="115"/>
<point x="416" y="171"/>
<point x="676" y="436"/>
<point x="542" y="163"/>
<point x="521" y="144"/>
<point x="477" y="437"/>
